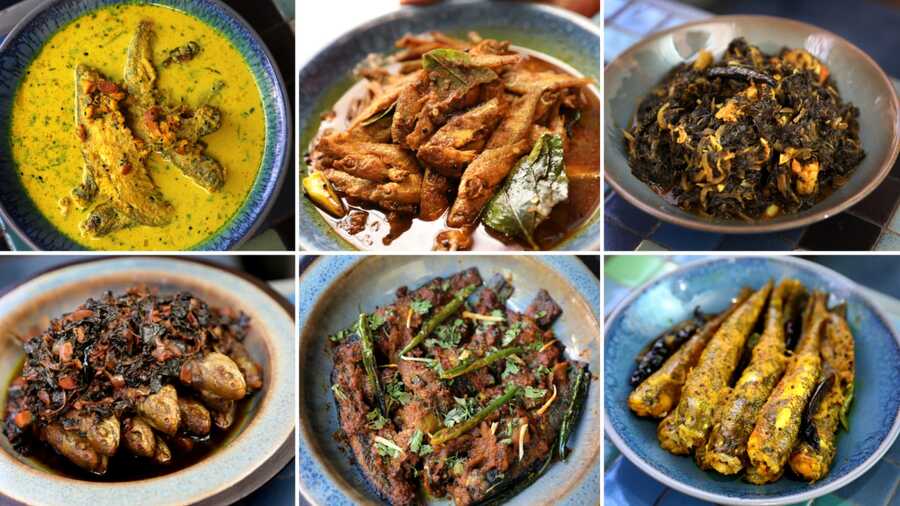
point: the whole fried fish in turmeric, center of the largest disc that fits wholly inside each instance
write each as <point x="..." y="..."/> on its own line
<point x="773" y="438"/>
<point x="727" y="445"/>
<point x="812" y="457"/>
<point x="706" y="387"/>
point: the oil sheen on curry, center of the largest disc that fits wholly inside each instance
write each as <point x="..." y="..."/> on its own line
<point x="138" y="127"/>
<point x="453" y="144"/>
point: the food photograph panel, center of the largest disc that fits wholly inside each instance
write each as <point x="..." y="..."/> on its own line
<point x="449" y="380"/>
<point x="450" y="126"/>
<point x="146" y="125"/>
<point x="751" y="380"/>
<point x="751" y="125"/>
<point x="147" y="380"/>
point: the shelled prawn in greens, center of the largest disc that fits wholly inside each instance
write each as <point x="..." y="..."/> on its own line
<point x="168" y="136"/>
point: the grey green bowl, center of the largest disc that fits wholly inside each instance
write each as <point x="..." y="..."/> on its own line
<point x="628" y="78"/>
<point x="254" y="451"/>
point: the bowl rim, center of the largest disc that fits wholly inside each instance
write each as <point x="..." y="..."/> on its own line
<point x="409" y="11"/>
<point x="694" y="491"/>
<point x="695" y="222"/>
<point x="249" y="480"/>
<point x="279" y="172"/>
<point x="304" y="439"/>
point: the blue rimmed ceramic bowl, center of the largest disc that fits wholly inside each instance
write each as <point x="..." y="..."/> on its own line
<point x="327" y="76"/>
<point x="874" y="415"/>
<point x="25" y="41"/>
<point x="258" y="448"/>
<point x="334" y="289"/>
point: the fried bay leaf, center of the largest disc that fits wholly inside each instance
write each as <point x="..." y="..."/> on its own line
<point x="453" y="72"/>
<point x="534" y="186"/>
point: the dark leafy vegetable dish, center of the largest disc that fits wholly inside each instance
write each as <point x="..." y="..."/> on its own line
<point x="759" y="388"/>
<point x="749" y="137"/>
<point x="138" y="381"/>
<point x="465" y="132"/>
<point x="449" y="389"/>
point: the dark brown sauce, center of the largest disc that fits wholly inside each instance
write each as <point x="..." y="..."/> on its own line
<point x="582" y="159"/>
<point x="126" y="467"/>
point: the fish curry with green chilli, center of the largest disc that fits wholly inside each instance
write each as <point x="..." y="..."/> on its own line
<point x="449" y="389"/>
<point x="458" y="144"/>
<point x="138" y="127"/>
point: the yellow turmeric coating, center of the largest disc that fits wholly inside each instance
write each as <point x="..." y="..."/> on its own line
<point x="659" y="393"/>
<point x="778" y="425"/>
<point x="838" y="354"/>
<point x="727" y="445"/>
<point x="706" y="386"/>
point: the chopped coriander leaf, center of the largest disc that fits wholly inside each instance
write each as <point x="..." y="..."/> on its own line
<point x="540" y="314"/>
<point x="338" y="392"/>
<point x="375" y="321"/>
<point x="541" y="371"/>
<point x="511" y="368"/>
<point x="420" y="306"/>
<point x="465" y="409"/>
<point x="448" y="335"/>
<point x="426" y="449"/>
<point x="387" y="448"/>
<point x="376" y="421"/>
<point x="445" y="285"/>
<point x="513" y="332"/>
<point x="416" y="446"/>
<point x="395" y="391"/>
<point x="456" y="464"/>
<point x="535" y="393"/>
<point x="341" y="335"/>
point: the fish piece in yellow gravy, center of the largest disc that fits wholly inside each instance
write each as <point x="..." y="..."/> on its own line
<point x="46" y="147"/>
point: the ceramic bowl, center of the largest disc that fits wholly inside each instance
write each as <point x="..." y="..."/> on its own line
<point x="332" y="292"/>
<point x="253" y="454"/>
<point x="565" y="36"/>
<point x="874" y="415"/>
<point x="24" y="42"/>
<point x="633" y="74"/>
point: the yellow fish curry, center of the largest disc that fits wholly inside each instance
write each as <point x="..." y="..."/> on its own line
<point x="138" y="127"/>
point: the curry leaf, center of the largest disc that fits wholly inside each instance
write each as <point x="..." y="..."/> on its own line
<point x="453" y="73"/>
<point x="534" y="186"/>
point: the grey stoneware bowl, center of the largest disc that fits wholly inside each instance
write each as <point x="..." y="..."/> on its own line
<point x="334" y="289"/>
<point x="567" y="37"/>
<point x="633" y="74"/>
<point x="254" y="451"/>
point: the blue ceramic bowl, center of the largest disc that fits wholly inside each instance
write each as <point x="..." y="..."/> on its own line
<point x="335" y="288"/>
<point x="874" y="415"/>
<point x="327" y="76"/>
<point x="25" y="41"/>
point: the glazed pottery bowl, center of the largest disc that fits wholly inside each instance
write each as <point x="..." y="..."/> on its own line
<point x="567" y="37"/>
<point x="333" y="290"/>
<point x="25" y="41"/>
<point x="252" y="453"/>
<point x="632" y="75"/>
<point x="874" y="415"/>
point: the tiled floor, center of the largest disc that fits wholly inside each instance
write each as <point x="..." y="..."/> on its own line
<point x="873" y="224"/>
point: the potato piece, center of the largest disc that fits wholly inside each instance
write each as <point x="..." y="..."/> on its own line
<point x="215" y="374"/>
<point x="104" y="436"/>
<point x="161" y="410"/>
<point x="194" y="417"/>
<point x="139" y="438"/>
<point x="163" y="454"/>
<point x="249" y="368"/>
<point x="74" y="447"/>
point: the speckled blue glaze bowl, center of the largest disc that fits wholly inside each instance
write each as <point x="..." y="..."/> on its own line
<point x="332" y="292"/>
<point x="260" y="445"/>
<point x="25" y="41"/>
<point x="874" y="415"/>
<point x="552" y="31"/>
